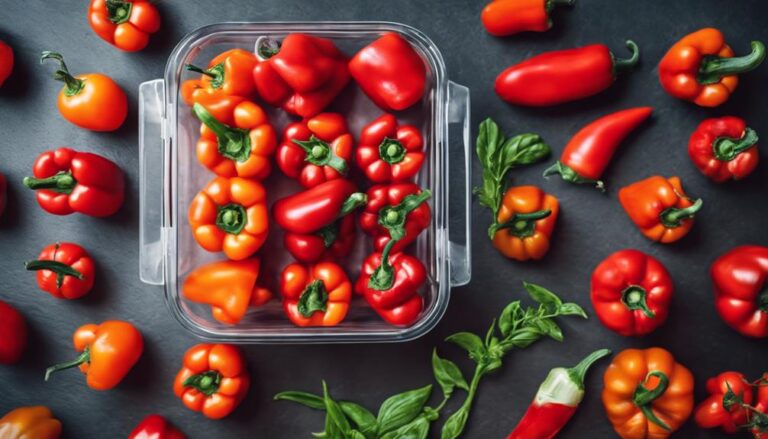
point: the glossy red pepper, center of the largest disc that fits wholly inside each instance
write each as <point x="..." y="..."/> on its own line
<point x="759" y="413"/>
<point x="309" y="211"/>
<point x="588" y="153"/>
<point x="332" y="241"/>
<point x="316" y="150"/>
<point x="69" y="181"/>
<point x="508" y="17"/>
<point x="390" y="152"/>
<point x="724" y="148"/>
<point x="6" y="61"/>
<point x="390" y="283"/>
<point x="741" y="293"/>
<point x="399" y="211"/>
<point x="302" y="75"/>
<point x="156" y="427"/>
<point x="64" y="270"/>
<point x="631" y="292"/>
<point x="562" y="76"/>
<point x="556" y="401"/>
<point x="13" y="334"/>
<point x="716" y="411"/>
<point x="390" y="72"/>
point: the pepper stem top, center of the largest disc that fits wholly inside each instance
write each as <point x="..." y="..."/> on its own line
<point x="73" y="85"/>
<point x="713" y="68"/>
<point x="621" y="64"/>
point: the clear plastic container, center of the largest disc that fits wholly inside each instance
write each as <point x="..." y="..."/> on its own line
<point x="170" y="177"/>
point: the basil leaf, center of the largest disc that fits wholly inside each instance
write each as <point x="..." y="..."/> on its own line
<point x="470" y="342"/>
<point x="447" y="374"/>
<point x="454" y="426"/>
<point x="510" y="317"/>
<point x="543" y="296"/>
<point x="524" y="338"/>
<point x="354" y="434"/>
<point x="523" y="149"/>
<point x="334" y="413"/>
<point x="571" y="309"/>
<point x="402" y="408"/>
<point x="550" y="328"/>
<point x="362" y="417"/>
<point x="417" y="429"/>
<point x="489" y="138"/>
<point x="308" y="399"/>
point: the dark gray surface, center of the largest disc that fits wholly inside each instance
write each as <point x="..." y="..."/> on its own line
<point x="591" y="225"/>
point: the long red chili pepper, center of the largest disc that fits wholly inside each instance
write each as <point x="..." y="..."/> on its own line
<point x="556" y="401"/>
<point x="588" y="153"/>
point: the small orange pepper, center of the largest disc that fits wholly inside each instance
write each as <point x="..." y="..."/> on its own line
<point x="36" y="422"/>
<point x="230" y="215"/>
<point x="109" y="351"/>
<point x="213" y="379"/>
<point x="230" y="287"/>
<point x="228" y="74"/>
<point x="660" y="208"/>
<point x="647" y="394"/>
<point x="125" y="24"/>
<point x="315" y="295"/>
<point x="525" y="222"/>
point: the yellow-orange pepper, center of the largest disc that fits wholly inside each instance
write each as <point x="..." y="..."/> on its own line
<point x="525" y="222"/>
<point x="228" y="74"/>
<point x="36" y="422"/>
<point x="647" y="394"/>
<point x="315" y="295"/>
<point x="230" y="215"/>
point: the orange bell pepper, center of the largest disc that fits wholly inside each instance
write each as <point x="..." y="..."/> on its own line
<point x="647" y="394"/>
<point x="228" y="286"/>
<point x="315" y="295"/>
<point x="230" y="215"/>
<point x="242" y="150"/>
<point x="109" y="351"/>
<point x="660" y="208"/>
<point x="701" y="67"/>
<point x="213" y="379"/>
<point x="36" y="422"/>
<point x="525" y="222"/>
<point x="126" y="24"/>
<point x="228" y="74"/>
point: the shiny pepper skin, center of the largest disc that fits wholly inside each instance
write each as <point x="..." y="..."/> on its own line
<point x="156" y="427"/>
<point x="64" y="270"/>
<point x="13" y="334"/>
<point x="315" y="295"/>
<point x="724" y="148"/>
<point x="739" y="278"/>
<point x="712" y="413"/>
<point x="30" y="423"/>
<point x="525" y="222"/>
<point x="125" y="24"/>
<point x="508" y="17"/>
<point x="390" y="152"/>
<point x="228" y="74"/>
<point x="6" y="61"/>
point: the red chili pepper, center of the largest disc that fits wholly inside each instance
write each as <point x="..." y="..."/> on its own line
<point x="334" y="240"/>
<point x="724" y="148"/>
<point x="390" y="283"/>
<point x="64" y="270"/>
<point x="398" y="211"/>
<point x="156" y="427"/>
<point x="309" y="211"/>
<point x="13" y="334"/>
<point x="69" y="181"/>
<point x="316" y="150"/>
<point x="3" y="193"/>
<point x="6" y="61"/>
<point x="562" y="76"/>
<point x="741" y="298"/>
<point x="588" y="153"/>
<point x="390" y="72"/>
<point x="556" y="401"/>
<point x="507" y="17"/>
<point x="302" y="75"/>
<point x="390" y="152"/>
<point x="717" y="411"/>
<point x="631" y="292"/>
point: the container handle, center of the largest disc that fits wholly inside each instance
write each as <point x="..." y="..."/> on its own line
<point x="151" y="138"/>
<point x="460" y="241"/>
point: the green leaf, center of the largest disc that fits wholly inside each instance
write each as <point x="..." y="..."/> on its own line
<point x="571" y="309"/>
<point x="308" y="399"/>
<point x="523" y="149"/>
<point x="402" y="408"/>
<point x="362" y="417"/>
<point x="334" y="413"/>
<point x="454" y="426"/>
<point x="416" y="429"/>
<point x="470" y="342"/>
<point x="490" y="332"/>
<point x="510" y="317"/>
<point x="489" y="138"/>
<point x="447" y="374"/>
<point x="550" y="328"/>
<point x="524" y="338"/>
<point x="354" y="434"/>
<point x="543" y="296"/>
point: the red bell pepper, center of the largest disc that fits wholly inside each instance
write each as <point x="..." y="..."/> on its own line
<point x="562" y="76"/>
<point x="390" y="152"/>
<point x="309" y="211"/>
<point x="390" y="72"/>
<point x="390" y="283"/>
<point x="724" y="148"/>
<point x="631" y="292"/>
<point x="3" y="193"/>
<point x="507" y="17"/>
<point x="316" y="150"/>
<point x="741" y="298"/>
<point x="398" y="211"/>
<point x="719" y="411"/>
<point x="588" y="153"/>
<point x="156" y="427"/>
<point x="556" y="401"/>
<point x="315" y="295"/>
<point x="69" y="181"/>
<point x="302" y="75"/>
<point x="13" y="334"/>
<point x="64" y="270"/>
<point x="6" y="61"/>
<point x="759" y="413"/>
<point x="334" y="240"/>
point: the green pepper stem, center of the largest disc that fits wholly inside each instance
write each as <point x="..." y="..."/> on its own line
<point x="206" y="383"/>
<point x="63" y="183"/>
<point x="393" y="218"/>
<point x="314" y="298"/>
<point x="622" y="64"/>
<point x="61" y="269"/>
<point x="392" y="151"/>
<point x="635" y="297"/>
<point x="643" y="397"/>
<point x="571" y="176"/>
<point x="673" y="216"/>
<point x="383" y="277"/>
<point x="73" y="85"/>
<point x="119" y="11"/>
<point x="196" y="69"/>
<point x="231" y="218"/>
<point x="578" y="372"/>
<point x="233" y="143"/>
<point x="357" y="199"/>
<point x="216" y="73"/>
<point x="267" y="48"/>
<point x="320" y="153"/>
<point x="713" y="68"/>
<point x="727" y="148"/>
<point x="521" y="224"/>
<point x="85" y="357"/>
